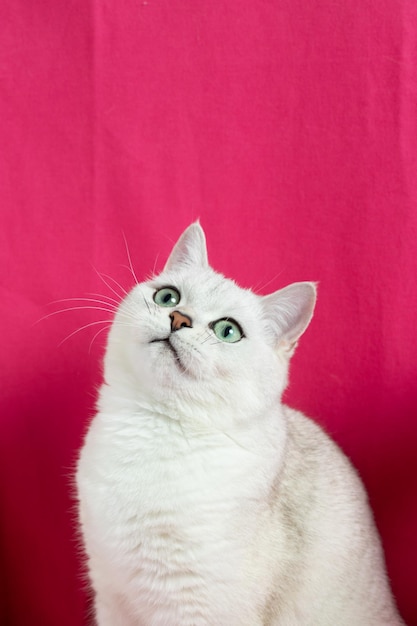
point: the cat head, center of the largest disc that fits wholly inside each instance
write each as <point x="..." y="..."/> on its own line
<point x="190" y="337"/>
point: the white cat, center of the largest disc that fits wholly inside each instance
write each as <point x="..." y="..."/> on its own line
<point x="203" y="499"/>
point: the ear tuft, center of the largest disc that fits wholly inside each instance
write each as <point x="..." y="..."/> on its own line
<point x="190" y="249"/>
<point x="289" y="312"/>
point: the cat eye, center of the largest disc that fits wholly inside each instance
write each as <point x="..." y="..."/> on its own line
<point x="167" y="296"/>
<point x="227" y="330"/>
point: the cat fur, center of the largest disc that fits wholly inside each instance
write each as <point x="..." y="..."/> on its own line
<point x="203" y="500"/>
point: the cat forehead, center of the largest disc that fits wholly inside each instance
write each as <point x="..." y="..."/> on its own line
<point x="207" y="288"/>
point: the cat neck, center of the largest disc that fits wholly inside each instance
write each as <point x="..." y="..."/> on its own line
<point x="119" y="404"/>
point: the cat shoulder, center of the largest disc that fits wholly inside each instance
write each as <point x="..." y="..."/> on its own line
<point x="313" y="456"/>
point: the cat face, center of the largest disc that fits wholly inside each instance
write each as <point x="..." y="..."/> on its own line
<point x="192" y="336"/>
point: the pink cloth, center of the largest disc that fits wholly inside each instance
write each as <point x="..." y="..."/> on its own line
<point x="290" y="129"/>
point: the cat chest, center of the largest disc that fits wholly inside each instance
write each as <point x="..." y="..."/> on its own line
<point x="177" y="505"/>
<point x="162" y="494"/>
<point x="170" y="519"/>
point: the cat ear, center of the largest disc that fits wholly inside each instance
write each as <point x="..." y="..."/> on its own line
<point x="190" y="249"/>
<point x="289" y="312"/>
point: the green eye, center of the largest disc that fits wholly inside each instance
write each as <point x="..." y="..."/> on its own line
<point x="167" y="296"/>
<point x="227" y="330"/>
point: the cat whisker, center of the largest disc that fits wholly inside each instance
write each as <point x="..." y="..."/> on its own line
<point x="130" y="260"/>
<point x="131" y="311"/>
<point x="261" y="286"/>
<point x="75" y="308"/>
<point x="75" y="332"/>
<point x="109" y="298"/>
<point x="115" y="282"/>
<point x="145" y="301"/>
<point x="154" y="265"/>
<point x="96" y="300"/>
<point x="96" y="335"/>
<point x="103" y="279"/>
<point x="214" y="341"/>
<point x="237" y="443"/>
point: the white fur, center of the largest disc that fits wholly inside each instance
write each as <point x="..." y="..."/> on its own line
<point x="203" y="499"/>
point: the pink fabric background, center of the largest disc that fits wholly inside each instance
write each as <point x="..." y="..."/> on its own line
<point x="290" y="129"/>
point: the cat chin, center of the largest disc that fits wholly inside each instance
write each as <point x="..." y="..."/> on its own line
<point x="168" y="352"/>
<point x="162" y="375"/>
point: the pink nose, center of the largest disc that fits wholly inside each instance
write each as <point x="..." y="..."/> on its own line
<point x="179" y="320"/>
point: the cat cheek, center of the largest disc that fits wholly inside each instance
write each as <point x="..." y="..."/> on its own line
<point x="198" y="366"/>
